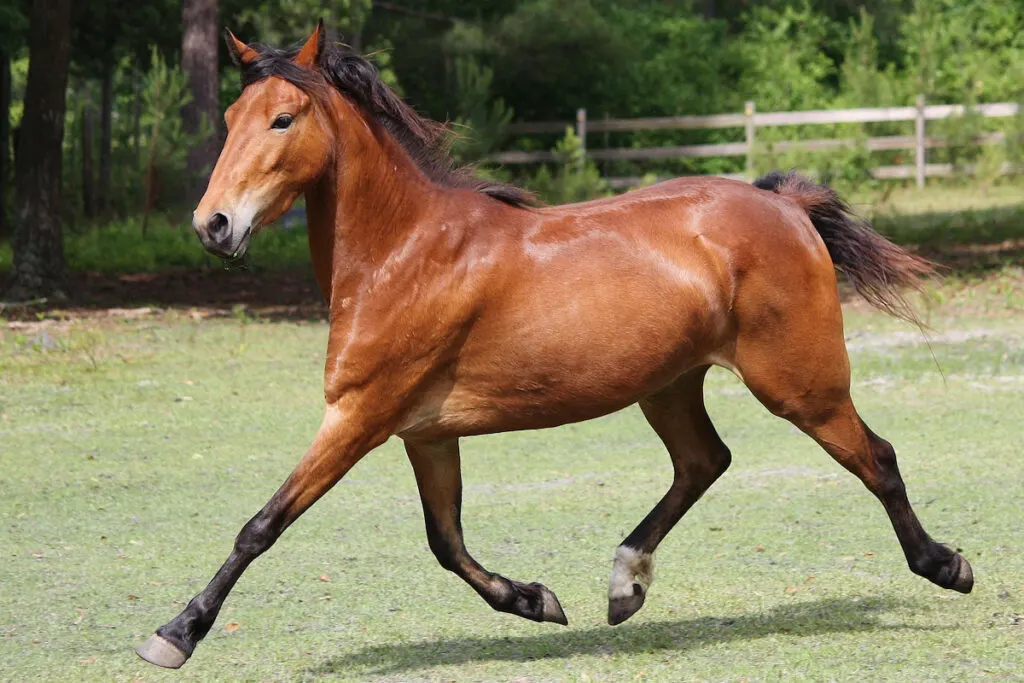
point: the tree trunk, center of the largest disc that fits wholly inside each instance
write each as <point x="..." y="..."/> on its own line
<point x="5" y="135"/>
<point x="38" y="250"/>
<point x="137" y="117"/>
<point x="199" y="45"/>
<point x="88" y="195"/>
<point x="106" y="133"/>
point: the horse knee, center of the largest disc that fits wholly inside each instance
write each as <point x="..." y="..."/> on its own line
<point x="887" y="480"/>
<point x="706" y="469"/>
<point x="258" y="534"/>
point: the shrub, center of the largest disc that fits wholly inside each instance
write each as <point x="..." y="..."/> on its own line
<point x="575" y="177"/>
<point x="118" y="247"/>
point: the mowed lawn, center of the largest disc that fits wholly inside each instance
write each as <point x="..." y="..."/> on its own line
<point x="133" y="448"/>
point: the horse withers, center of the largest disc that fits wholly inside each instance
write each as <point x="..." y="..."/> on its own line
<point x="459" y="307"/>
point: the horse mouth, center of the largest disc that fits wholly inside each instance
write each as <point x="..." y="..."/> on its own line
<point x="231" y="253"/>
<point x="243" y="245"/>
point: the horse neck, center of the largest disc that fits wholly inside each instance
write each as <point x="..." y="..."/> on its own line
<point x="365" y="205"/>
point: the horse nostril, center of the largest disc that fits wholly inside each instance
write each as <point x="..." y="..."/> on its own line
<point x="217" y="226"/>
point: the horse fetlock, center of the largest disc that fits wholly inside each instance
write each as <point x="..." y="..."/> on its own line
<point x="632" y="573"/>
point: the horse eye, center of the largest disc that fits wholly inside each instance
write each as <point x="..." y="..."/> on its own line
<point x="282" y="122"/>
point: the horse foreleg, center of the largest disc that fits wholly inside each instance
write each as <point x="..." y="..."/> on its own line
<point x="439" y="478"/>
<point x="698" y="458"/>
<point x="336" y="448"/>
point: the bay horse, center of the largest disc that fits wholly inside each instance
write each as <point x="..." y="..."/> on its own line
<point x="461" y="307"/>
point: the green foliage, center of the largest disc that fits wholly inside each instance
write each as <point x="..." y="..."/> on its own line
<point x="13" y="25"/>
<point x="19" y="78"/>
<point x="961" y="134"/>
<point x="165" y="92"/>
<point x="862" y="82"/>
<point x="105" y="31"/>
<point x="847" y="169"/>
<point x="567" y="52"/>
<point x="115" y="247"/>
<point x="1014" y="144"/>
<point x="381" y="56"/>
<point x="575" y="177"/>
<point x="785" y="66"/>
<point x="284" y="22"/>
<point x="681" y="70"/>
<point x="958" y="46"/>
<point x="483" y="117"/>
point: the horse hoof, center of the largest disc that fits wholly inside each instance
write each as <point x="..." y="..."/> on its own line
<point x="620" y="609"/>
<point x="159" y="651"/>
<point x="553" y="609"/>
<point x="632" y="573"/>
<point x="964" y="582"/>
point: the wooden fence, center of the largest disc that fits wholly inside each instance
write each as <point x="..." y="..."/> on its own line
<point x="750" y="120"/>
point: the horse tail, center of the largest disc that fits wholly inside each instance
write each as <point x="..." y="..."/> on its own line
<point x="876" y="267"/>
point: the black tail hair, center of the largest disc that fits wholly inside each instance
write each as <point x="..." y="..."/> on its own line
<point x="876" y="267"/>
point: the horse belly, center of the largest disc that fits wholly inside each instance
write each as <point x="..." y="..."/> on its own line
<point x="569" y="359"/>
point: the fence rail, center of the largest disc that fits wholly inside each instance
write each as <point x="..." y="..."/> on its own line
<point x="751" y="120"/>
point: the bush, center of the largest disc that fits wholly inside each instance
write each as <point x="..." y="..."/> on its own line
<point x="482" y="118"/>
<point x="118" y="247"/>
<point x="575" y="178"/>
<point x="164" y="93"/>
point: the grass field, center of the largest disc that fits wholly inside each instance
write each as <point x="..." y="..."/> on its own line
<point x="133" y="447"/>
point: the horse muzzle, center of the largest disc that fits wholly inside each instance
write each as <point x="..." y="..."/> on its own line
<point x="220" y="236"/>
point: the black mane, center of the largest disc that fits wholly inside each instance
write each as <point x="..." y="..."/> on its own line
<point x="352" y="75"/>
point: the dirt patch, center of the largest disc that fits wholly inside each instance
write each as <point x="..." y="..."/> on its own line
<point x="271" y="294"/>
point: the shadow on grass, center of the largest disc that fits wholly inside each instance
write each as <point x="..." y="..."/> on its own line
<point x="846" y="615"/>
<point x="965" y="241"/>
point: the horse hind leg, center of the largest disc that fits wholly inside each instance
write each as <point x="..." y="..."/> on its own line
<point x="809" y="384"/>
<point x="699" y="457"/>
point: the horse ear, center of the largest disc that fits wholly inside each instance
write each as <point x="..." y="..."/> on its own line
<point x="309" y="55"/>
<point x="241" y="54"/>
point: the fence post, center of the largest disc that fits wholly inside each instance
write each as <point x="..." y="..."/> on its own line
<point x="581" y="127"/>
<point x="581" y="133"/>
<point x="607" y="162"/>
<point x="919" y="142"/>
<point x="749" y="110"/>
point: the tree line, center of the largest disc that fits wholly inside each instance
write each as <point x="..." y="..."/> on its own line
<point x="113" y="107"/>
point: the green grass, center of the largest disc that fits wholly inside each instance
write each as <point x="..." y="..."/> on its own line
<point x="940" y="196"/>
<point x="131" y="452"/>
<point x="940" y="231"/>
<point x="170" y="244"/>
<point x="946" y="214"/>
